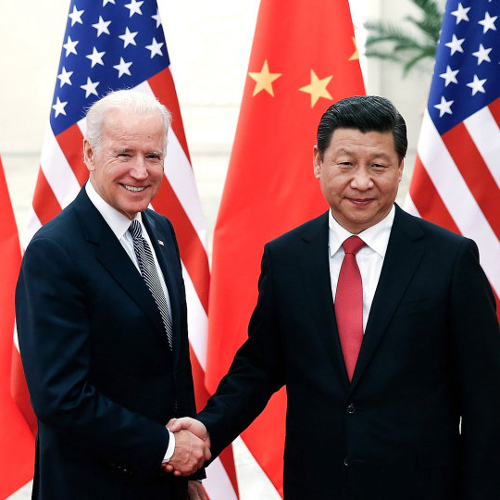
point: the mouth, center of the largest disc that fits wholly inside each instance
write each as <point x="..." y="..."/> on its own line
<point x="360" y="201"/>
<point x="134" y="189"/>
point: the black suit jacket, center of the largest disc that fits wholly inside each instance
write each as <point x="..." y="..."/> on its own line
<point x="430" y="357"/>
<point x="102" y="379"/>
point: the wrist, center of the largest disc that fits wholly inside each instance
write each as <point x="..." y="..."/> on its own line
<point x="170" y="448"/>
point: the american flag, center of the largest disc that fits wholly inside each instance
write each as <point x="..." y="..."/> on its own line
<point x="109" y="45"/>
<point x="456" y="181"/>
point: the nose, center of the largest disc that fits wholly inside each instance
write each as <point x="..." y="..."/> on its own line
<point x="361" y="180"/>
<point x="139" y="169"/>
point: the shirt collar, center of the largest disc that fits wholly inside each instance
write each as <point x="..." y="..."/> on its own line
<point x="118" y="222"/>
<point x="376" y="237"/>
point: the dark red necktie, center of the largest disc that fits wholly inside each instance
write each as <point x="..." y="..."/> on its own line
<point x="349" y="304"/>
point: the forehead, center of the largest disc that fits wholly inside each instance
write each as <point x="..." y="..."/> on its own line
<point x="353" y="140"/>
<point x="128" y="123"/>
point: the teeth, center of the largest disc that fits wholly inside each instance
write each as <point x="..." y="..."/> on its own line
<point x="133" y="188"/>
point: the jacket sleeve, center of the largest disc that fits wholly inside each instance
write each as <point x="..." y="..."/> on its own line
<point x="54" y="338"/>
<point x="255" y="374"/>
<point x="476" y="347"/>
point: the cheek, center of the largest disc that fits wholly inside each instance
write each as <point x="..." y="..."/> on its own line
<point x="334" y="184"/>
<point x="157" y="174"/>
<point x="116" y="170"/>
<point x="390" y="186"/>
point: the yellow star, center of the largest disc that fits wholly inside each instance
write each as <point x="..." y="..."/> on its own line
<point x="355" y="55"/>
<point x="317" y="88"/>
<point x="264" y="79"/>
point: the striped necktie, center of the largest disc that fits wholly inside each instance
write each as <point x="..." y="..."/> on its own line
<point x="150" y="275"/>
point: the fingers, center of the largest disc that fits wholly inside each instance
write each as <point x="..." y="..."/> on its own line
<point x="167" y="467"/>
<point x="190" y="424"/>
<point x="196" y="491"/>
<point x="190" y="454"/>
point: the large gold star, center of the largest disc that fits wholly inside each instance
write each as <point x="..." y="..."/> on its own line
<point x="317" y="88"/>
<point x="356" y="54"/>
<point x="264" y="79"/>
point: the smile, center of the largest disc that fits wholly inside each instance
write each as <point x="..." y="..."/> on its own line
<point x="134" y="189"/>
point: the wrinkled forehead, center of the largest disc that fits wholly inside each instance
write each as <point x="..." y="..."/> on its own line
<point x="130" y="122"/>
<point x="130" y="115"/>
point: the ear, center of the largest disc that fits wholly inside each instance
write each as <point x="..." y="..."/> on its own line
<point x="88" y="155"/>
<point x="401" y="168"/>
<point x="317" y="162"/>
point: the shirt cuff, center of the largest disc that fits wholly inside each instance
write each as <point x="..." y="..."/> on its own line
<point x="170" y="448"/>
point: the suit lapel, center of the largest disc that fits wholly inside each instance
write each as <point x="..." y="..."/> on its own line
<point x="404" y="253"/>
<point x="111" y="254"/>
<point x="315" y="271"/>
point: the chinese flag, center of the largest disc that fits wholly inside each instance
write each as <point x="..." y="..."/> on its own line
<point x="16" y="439"/>
<point x="304" y="58"/>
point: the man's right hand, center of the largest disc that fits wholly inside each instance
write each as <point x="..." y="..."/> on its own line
<point x="190" y="454"/>
<point x="192" y="425"/>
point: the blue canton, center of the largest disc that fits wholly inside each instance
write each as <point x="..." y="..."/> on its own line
<point x="108" y="45"/>
<point x="467" y="71"/>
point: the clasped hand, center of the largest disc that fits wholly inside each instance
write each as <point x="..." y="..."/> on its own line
<point x="192" y="446"/>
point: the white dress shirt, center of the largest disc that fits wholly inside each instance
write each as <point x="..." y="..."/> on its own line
<point x="120" y="224"/>
<point x="370" y="258"/>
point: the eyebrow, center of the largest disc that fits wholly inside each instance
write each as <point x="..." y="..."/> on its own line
<point x="128" y="150"/>
<point x="378" y="154"/>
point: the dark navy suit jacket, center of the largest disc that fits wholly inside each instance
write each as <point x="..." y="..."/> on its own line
<point x="102" y="379"/>
<point x="430" y="357"/>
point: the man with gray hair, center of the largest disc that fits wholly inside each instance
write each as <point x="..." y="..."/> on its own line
<point x="102" y="324"/>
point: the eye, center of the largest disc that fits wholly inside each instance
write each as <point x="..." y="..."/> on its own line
<point x="154" y="157"/>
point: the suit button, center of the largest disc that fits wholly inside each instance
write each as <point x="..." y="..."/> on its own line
<point x="350" y="408"/>
<point x="346" y="462"/>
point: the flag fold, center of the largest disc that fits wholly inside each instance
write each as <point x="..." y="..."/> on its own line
<point x="16" y="439"/>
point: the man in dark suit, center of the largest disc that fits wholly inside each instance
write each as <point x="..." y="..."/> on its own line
<point x="101" y="317"/>
<point x="389" y="347"/>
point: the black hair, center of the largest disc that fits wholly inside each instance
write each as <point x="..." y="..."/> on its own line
<point x="370" y="113"/>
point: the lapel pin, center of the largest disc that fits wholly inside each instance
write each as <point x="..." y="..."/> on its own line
<point x="161" y="243"/>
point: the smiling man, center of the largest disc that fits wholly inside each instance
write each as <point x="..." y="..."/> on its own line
<point x="101" y="317"/>
<point x="383" y="329"/>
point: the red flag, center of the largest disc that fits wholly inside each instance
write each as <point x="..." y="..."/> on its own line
<point x="456" y="180"/>
<point x="16" y="440"/>
<point x="127" y="49"/>
<point x="303" y="59"/>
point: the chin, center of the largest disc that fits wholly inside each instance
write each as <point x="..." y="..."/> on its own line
<point x="136" y="207"/>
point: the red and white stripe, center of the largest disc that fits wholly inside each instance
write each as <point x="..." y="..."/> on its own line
<point x="61" y="176"/>
<point x="456" y="182"/>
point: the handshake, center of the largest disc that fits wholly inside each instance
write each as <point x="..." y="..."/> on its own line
<point x="192" y="446"/>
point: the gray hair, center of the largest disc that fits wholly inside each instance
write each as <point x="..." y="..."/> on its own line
<point x="132" y="100"/>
